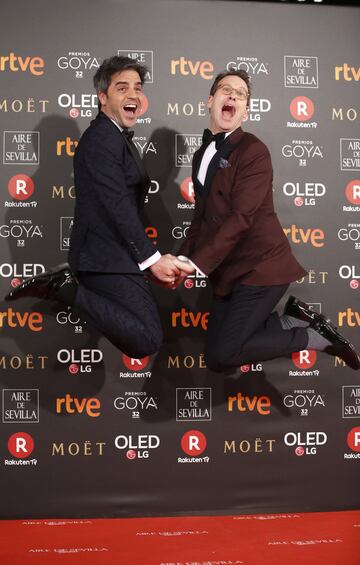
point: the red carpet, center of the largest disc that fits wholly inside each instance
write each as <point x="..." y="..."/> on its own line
<point x="263" y="539"/>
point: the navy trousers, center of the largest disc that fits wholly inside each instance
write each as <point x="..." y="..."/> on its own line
<point x="244" y="329"/>
<point x="122" y="307"/>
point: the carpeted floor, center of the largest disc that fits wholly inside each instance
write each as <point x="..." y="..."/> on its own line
<point x="331" y="538"/>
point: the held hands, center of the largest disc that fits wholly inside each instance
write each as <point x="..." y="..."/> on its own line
<point x="169" y="271"/>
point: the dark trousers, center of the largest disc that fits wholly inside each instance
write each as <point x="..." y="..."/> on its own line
<point x="244" y="329"/>
<point x="122" y="307"/>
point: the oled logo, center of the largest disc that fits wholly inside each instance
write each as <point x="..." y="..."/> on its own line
<point x="79" y="105"/>
<point x="193" y="443"/>
<point x="66" y="225"/>
<point x="349" y="154"/>
<point x="257" y="404"/>
<point x="188" y="194"/>
<point x="304" y="193"/>
<point x="145" y="58"/>
<point x="351" y="401"/>
<point x="350" y="273"/>
<point x="185" y="146"/>
<point x="305" y="443"/>
<point x="15" y="63"/>
<point x="347" y="73"/>
<point x="20" y="406"/>
<point x="186" y="67"/>
<point x="196" y="280"/>
<point x="352" y="193"/>
<point x="193" y="404"/>
<point x="253" y="368"/>
<point x="353" y="441"/>
<point x="17" y="273"/>
<point x="153" y="189"/>
<point x="257" y="107"/>
<point x="81" y="360"/>
<point x="251" y="65"/>
<point x="303" y="151"/>
<point x="70" y="405"/>
<point x="312" y="236"/>
<point x="302" y="110"/>
<point x="20" y="445"/>
<point x="301" y="72"/>
<point x="137" y="447"/>
<point x="21" y="148"/>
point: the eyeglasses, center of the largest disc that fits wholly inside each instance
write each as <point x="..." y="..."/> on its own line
<point x="239" y="94"/>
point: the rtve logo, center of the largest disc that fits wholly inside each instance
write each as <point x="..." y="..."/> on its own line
<point x="302" y="108"/>
<point x="15" y="63"/>
<point x="350" y="318"/>
<point x="75" y="405"/>
<point x="186" y="319"/>
<point x="204" y="68"/>
<point x="20" y="187"/>
<point x="66" y="146"/>
<point x="347" y="73"/>
<point x="260" y="404"/>
<point x="13" y="319"/>
<point x="314" y="236"/>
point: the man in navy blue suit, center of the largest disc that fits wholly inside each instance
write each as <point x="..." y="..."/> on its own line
<point x="109" y="249"/>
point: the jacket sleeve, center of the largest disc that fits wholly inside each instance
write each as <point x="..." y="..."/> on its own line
<point x="105" y="164"/>
<point x="252" y="184"/>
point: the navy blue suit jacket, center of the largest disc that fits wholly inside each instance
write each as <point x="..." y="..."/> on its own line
<point x="108" y="234"/>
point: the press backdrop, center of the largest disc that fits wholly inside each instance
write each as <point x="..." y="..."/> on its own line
<point x="86" y="431"/>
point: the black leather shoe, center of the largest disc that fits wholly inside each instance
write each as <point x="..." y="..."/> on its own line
<point x="340" y="347"/>
<point x="300" y="310"/>
<point x="44" y="285"/>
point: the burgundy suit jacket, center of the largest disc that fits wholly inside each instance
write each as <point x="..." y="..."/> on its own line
<point x="235" y="235"/>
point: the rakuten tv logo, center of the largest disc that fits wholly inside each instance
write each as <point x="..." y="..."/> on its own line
<point x="187" y="190"/>
<point x="352" y="192"/>
<point x="302" y="108"/>
<point x="21" y="445"/>
<point x="353" y="439"/>
<point x="304" y="359"/>
<point x="135" y="364"/>
<point x="21" y="187"/>
<point x="193" y="443"/>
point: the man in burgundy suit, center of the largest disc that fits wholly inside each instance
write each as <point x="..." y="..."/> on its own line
<point x="237" y="241"/>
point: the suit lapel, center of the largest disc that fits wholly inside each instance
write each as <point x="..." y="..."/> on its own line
<point x="224" y="151"/>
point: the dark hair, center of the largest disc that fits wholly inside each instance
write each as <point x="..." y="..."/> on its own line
<point x="112" y="65"/>
<point x="241" y="73"/>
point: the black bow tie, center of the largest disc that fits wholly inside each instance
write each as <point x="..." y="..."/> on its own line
<point x="208" y="137"/>
<point x="129" y="134"/>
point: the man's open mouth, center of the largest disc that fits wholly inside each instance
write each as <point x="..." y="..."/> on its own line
<point x="130" y="109"/>
<point x="228" y="111"/>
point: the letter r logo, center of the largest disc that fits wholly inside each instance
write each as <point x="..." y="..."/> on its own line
<point x="193" y="443"/>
